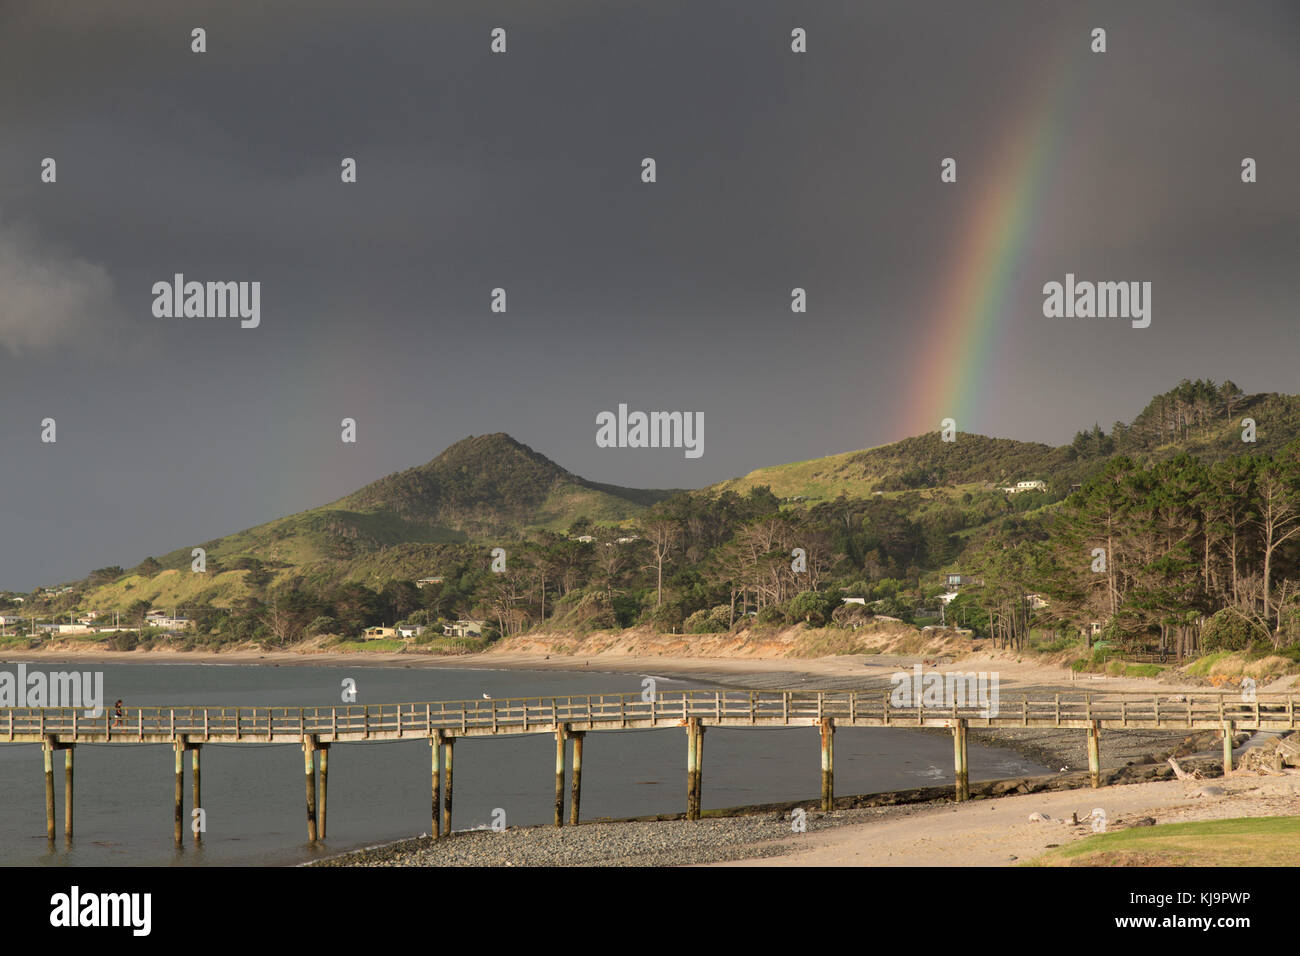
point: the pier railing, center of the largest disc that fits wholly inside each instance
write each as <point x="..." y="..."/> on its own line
<point x="521" y="715"/>
<point x="571" y="717"/>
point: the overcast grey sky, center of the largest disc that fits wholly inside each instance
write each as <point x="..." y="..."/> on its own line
<point x="522" y="170"/>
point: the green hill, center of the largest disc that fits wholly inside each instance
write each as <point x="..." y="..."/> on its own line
<point x="483" y="488"/>
<point x="1196" y="418"/>
<point x="491" y="489"/>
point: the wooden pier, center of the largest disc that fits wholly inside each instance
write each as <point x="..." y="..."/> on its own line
<point x="570" y="718"/>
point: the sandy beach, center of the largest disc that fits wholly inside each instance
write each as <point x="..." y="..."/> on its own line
<point x="1016" y="673"/>
<point x="1000" y="832"/>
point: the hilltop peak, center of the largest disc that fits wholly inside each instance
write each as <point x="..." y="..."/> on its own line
<point x="478" y="449"/>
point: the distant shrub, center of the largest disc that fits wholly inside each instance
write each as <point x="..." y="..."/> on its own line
<point x="1228" y="630"/>
<point x="814" y="607"/>
<point x="772" y="614"/>
<point x="124" y="641"/>
<point x="665" y="618"/>
<point x="708" y="621"/>
<point x="322" y="625"/>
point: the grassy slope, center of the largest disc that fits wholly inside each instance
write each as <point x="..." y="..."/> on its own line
<point x="966" y="464"/>
<point x="1247" y="841"/>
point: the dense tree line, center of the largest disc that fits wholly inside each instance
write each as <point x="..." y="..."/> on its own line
<point x="1155" y="551"/>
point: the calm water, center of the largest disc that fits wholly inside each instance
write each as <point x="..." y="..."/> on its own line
<point x="379" y="791"/>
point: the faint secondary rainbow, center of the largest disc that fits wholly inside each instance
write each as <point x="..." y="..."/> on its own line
<point x="958" y="368"/>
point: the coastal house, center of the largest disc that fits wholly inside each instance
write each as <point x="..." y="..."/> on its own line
<point x="956" y="580"/>
<point x="464" y="628"/>
<point x="171" y="623"/>
<point x="410" y="630"/>
<point x="1034" y="485"/>
<point x="854" y="600"/>
<point x="378" y="633"/>
<point x="11" y="619"/>
<point x="585" y="539"/>
<point x="1036" y="601"/>
<point x="436" y="579"/>
<point x="168" y="622"/>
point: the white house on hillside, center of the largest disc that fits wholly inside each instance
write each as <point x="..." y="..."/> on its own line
<point x="1027" y="486"/>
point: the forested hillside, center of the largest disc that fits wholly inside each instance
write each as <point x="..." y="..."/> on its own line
<point x="1194" y="507"/>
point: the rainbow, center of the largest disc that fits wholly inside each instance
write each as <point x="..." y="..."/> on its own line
<point x="957" y="370"/>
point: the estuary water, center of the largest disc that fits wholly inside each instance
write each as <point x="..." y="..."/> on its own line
<point x="253" y="794"/>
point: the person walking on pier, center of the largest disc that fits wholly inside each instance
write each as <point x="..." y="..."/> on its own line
<point x="118" y="713"/>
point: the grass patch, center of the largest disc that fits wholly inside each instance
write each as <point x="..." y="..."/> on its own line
<point x="1201" y="666"/>
<point x="1245" y="841"/>
<point x="1104" y="662"/>
<point x="1057" y="645"/>
<point x="453" y="645"/>
<point x="1142" y="670"/>
<point x="382" y="647"/>
<point x="1228" y="667"/>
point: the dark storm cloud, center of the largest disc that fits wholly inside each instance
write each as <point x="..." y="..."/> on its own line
<point x="522" y="171"/>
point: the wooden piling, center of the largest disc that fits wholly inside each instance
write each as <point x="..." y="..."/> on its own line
<point x="309" y="766"/>
<point x="699" y="767"/>
<point x="559" y="773"/>
<point x="690" y="769"/>
<point x="959" y="760"/>
<point x="178" y="801"/>
<point x="1227" y="747"/>
<point x="694" y="767"/>
<point x="67" y="792"/>
<point x="575" y="794"/>
<point x="48" y="749"/>
<point x="196" y="792"/>
<point x="446" y="796"/>
<point x="435" y="745"/>
<point x="1094" y="754"/>
<point x="324" y="750"/>
<point x="827" y="726"/>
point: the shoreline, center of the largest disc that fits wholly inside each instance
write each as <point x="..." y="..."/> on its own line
<point x="766" y="835"/>
<point x="838" y="672"/>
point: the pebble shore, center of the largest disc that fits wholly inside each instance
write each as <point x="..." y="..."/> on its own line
<point x="640" y="843"/>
